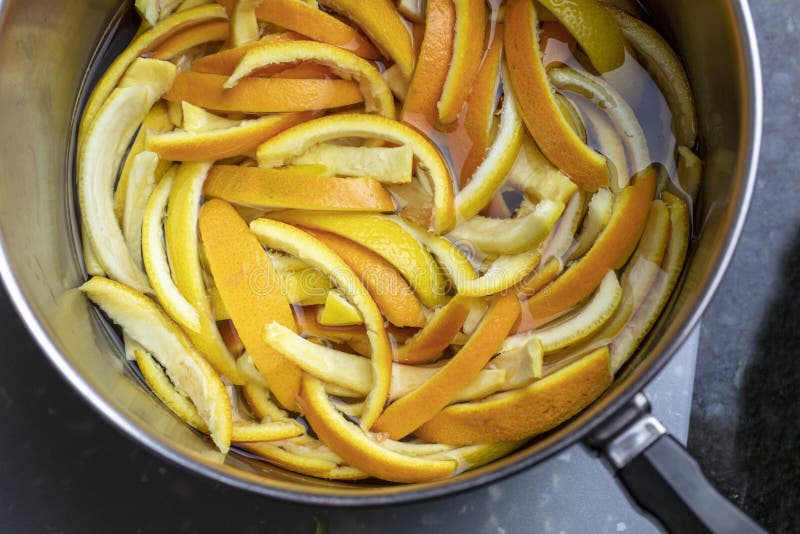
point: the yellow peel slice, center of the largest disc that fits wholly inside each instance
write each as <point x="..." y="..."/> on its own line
<point x="244" y="25"/>
<point x="510" y="236"/>
<point x="159" y="382"/>
<point x="155" y="259"/>
<point x="384" y="26"/>
<point x="610" y="144"/>
<point x="614" y="105"/>
<point x="537" y="177"/>
<point x="386" y="238"/>
<point x="183" y="251"/>
<point x="286" y="238"/>
<point x="387" y="165"/>
<point x="337" y="311"/>
<point x="100" y="157"/>
<point x="298" y="139"/>
<point x="305" y="287"/>
<point x="593" y="28"/>
<point x="597" y="216"/>
<point x="377" y="95"/>
<point x="491" y="173"/>
<point x="358" y="448"/>
<point x="524" y="412"/>
<point x="308" y="457"/>
<point x="248" y="431"/>
<point x="144" y="321"/>
<point x="140" y="186"/>
<point x="144" y="42"/>
<point x="579" y="326"/>
<point x="467" y="53"/>
<point x="666" y="68"/>
<point x="407" y="413"/>
<point x="626" y="342"/>
<point x="216" y="138"/>
<point x="503" y="273"/>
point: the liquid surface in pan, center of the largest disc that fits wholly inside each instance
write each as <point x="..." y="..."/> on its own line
<point x="378" y="240"/>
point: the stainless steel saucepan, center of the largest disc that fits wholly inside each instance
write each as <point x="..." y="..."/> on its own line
<point x="45" y="49"/>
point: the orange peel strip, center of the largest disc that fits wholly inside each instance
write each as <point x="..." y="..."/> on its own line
<point x="391" y="292"/>
<point x="280" y="236"/>
<point x="428" y="343"/>
<point x="526" y="412"/>
<point x="377" y="95"/>
<point x="382" y="23"/>
<point x="611" y="250"/>
<point x="141" y="44"/>
<point x="466" y="58"/>
<point x="143" y="320"/>
<point x="384" y="237"/>
<point x="406" y="414"/>
<point x="358" y="448"/>
<point x="207" y="32"/>
<point x="251" y="291"/>
<point x="296" y="189"/>
<point x="538" y="105"/>
<point x="262" y="95"/>
<point x="301" y="17"/>
<point x="238" y="140"/>
<point x="477" y="119"/>
<point x="298" y="139"/>
<point x="433" y="62"/>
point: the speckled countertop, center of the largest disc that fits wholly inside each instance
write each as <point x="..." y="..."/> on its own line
<point x="63" y="469"/>
<point x="745" y="425"/>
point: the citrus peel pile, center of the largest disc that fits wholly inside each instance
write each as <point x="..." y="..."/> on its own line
<point x="360" y="239"/>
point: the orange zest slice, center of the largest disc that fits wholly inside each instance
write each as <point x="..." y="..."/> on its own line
<point x="428" y="343"/>
<point x="595" y="30"/>
<point x="251" y="291"/>
<point x="288" y="188"/>
<point x="225" y="61"/>
<point x="538" y="105"/>
<point x="479" y="114"/>
<point x="377" y="95"/>
<point x="286" y="238"/>
<point x="391" y="292"/>
<point x="612" y="248"/>
<point x="262" y="95"/>
<point x="240" y="139"/>
<point x="526" y="412"/>
<point x="207" y="32"/>
<point x="406" y="414"/>
<point x="434" y="60"/>
<point x="384" y="237"/>
<point x="466" y="58"/>
<point x="382" y="23"/>
<point x="358" y="448"/>
<point x="298" y="139"/>
<point x="302" y="17"/>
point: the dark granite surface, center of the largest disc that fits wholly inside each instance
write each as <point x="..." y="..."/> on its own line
<point x="63" y="469"/>
<point x="745" y="424"/>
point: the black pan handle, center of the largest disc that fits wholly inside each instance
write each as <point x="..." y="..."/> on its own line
<point x="662" y="477"/>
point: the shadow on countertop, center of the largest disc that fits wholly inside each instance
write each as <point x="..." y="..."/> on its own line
<point x="766" y="442"/>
